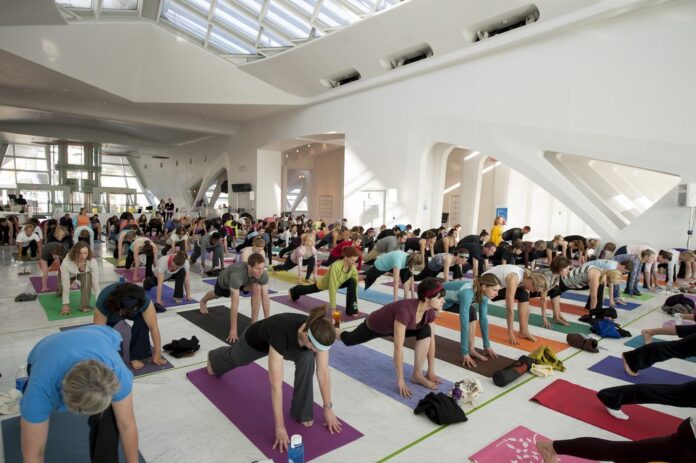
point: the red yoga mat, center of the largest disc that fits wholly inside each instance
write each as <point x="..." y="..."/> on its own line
<point x="244" y="396"/>
<point x="582" y="403"/>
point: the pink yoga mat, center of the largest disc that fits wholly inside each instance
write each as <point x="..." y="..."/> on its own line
<point x="582" y="403"/>
<point x="669" y="323"/>
<point x="128" y="274"/>
<point x="516" y="446"/>
<point x="244" y="396"/>
<point x="307" y="303"/>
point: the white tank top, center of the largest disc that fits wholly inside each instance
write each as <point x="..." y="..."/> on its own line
<point x="502" y="271"/>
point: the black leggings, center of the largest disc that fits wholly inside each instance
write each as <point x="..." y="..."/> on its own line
<point x="372" y="275"/>
<point x="645" y="356"/>
<point x="290" y="248"/>
<point x="521" y="294"/>
<point x="289" y="265"/>
<point x="139" y="347"/>
<point x="103" y="437"/>
<point x="31" y="249"/>
<point x="679" y="447"/>
<point x="149" y="261"/>
<point x="5" y="234"/>
<point x="457" y="272"/>
<point x="351" y="294"/>
<point x="677" y="395"/>
<point x="363" y="333"/>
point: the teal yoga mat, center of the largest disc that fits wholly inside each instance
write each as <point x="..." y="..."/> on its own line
<point x="638" y="341"/>
<point x="536" y="320"/>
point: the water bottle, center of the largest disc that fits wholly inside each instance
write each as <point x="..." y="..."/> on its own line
<point x="21" y="378"/>
<point x="121" y="280"/>
<point x="296" y="449"/>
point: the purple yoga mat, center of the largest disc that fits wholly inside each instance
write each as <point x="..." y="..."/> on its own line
<point x="128" y="274"/>
<point x="51" y="283"/>
<point x="244" y="396"/>
<point x="167" y="296"/>
<point x="124" y="329"/>
<point x="307" y="303"/>
<point x="211" y="282"/>
<point x="669" y="323"/>
<point x="613" y="366"/>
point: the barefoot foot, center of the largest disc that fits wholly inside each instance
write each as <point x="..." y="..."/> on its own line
<point x="647" y="337"/>
<point x="423" y="381"/>
<point x="477" y="356"/>
<point x="627" y="368"/>
<point x="618" y="414"/>
<point x="136" y="364"/>
<point x="210" y="369"/>
<point x="547" y="452"/>
<point x="307" y="424"/>
<point x="527" y="335"/>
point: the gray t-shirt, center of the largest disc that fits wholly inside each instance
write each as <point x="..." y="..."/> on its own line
<point x="237" y="276"/>
<point x="387" y="244"/>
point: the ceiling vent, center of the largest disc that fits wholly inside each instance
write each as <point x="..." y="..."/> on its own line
<point x="513" y="19"/>
<point x="160" y="157"/>
<point x="340" y="78"/>
<point x="407" y="56"/>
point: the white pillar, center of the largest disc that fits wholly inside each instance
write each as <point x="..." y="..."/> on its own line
<point x="268" y="188"/>
<point x="470" y="193"/>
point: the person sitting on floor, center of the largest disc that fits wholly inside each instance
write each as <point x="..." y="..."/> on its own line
<point x="402" y="319"/>
<point x="128" y="301"/>
<point x="303" y="340"/>
<point x="80" y="370"/>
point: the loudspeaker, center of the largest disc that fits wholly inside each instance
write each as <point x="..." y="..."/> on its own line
<point x="223" y="187"/>
<point x="241" y="187"/>
<point x="691" y="195"/>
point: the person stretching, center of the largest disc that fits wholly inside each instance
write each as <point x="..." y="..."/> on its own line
<point x="401" y="265"/>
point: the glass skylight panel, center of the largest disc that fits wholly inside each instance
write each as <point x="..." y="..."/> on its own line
<point x="120" y="5"/>
<point x="231" y="17"/>
<point x="202" y="5"/>
<point x="334" y="15"/>
<point x="75" y="3"/>
<point x="305" y="5"/>
<point x="183" y="19"/>
<point x="287" y="22"/>
<point x="385" y="4"/>
<point x="228" y="43"/>
<point x="271" y="40"/>
<point x="365" y="6"/>
<point x="252" y="5"/>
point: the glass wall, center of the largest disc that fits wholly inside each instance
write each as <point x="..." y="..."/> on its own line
<point x="116" y="173"/>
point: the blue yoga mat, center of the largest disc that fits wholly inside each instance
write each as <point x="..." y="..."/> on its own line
<point x="376" y="370"/>
<point x="613" y="366"/>
<point x="639" y="341"/>
<point x="68" y="439"/>
<point x="583" y="298"/>
<point x="211" y="282"/>
<point x="371" y="295"/>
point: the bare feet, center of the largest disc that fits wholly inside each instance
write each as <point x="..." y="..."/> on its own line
<point x="85" y="309"/>
<point x="423" y="381"/>
<point x="477" y="356"/>
<point x="545" y="448"/>
<point x="647" y="336"/>
<point x="627" y="368"/>
<point x="527" y="335"/>
<point x="210" y="369"/>
<point x="136" y="364"/>
<point x="177" y="300"/>
<point x="618" y="414"/>
<point x="203" y="307"/>
<point x="561" y="321"/>
<point x="307" y="424"/>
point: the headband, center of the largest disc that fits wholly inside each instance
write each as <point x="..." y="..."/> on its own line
<point x="316" y="343"/>
<point x="434" y="292"/>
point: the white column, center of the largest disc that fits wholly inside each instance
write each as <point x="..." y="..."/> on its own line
<point x="268" y="188"/>
<point x="470" y="192"/>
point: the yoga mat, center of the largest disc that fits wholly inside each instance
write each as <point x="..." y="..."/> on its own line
<point x="499" y="334"/>
<point x="217" y="321"/>
<point x="613" y="366"/>
<point x="114" y="262"/>
<point x="581" y="403"/>
<point x="537" y="320"/>
<point x="211" y="282"/>
<point x="125" y="330"/>
<point x="128" y="274"/>
<point x="638" y="341"/>
<point x="565" y="307"/>
<point x="583" y="298"/>
<point x="307" y="303"/>
<point x="372" y="295"/>
<point x="68" y="439"/>
<point x="51" y="283"/>
<point x="244" y="396"/>
<point x="642" y="297"/>
<point x="670" y="323"/>
<point x="376" y="370"/>
<point x="286" y="276"/>
<point x="52" y="304"/>
<point x="450" y="351"/>
<point x="167" y="296"/>
<point x="515" y="446"/>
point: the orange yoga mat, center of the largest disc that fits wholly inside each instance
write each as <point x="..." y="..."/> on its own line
<point x="499" y="334"/>
<point x="565" y="307"/>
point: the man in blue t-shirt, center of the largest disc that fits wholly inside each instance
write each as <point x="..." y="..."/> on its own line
<point x="80" y="370"/>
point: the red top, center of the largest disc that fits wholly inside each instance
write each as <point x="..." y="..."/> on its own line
<point x="338" y="249"/>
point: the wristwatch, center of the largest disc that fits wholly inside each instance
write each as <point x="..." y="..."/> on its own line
<point x="329" y="405"/>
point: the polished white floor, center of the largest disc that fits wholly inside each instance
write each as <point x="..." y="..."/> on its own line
<point x="178" y="424"/>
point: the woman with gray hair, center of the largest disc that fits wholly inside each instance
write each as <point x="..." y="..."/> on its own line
<point x="80" y="370"/>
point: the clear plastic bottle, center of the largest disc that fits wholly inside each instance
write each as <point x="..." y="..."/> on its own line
<point x="296" y="449"/>
<point x="21" y="378"/>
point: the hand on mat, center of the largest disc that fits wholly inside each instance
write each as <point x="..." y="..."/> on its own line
<point x="281" y="439"/>
<point x="547" y="325"/>
<point x="468" y="361"/>
<point x="490" y="352"/>
<point x="403" y="389"/>
<point x="65" y="310"/>
<point x="158" y="360"/>
<point x="332" y="422"/>
<point x="512" y="339"/>
<point x="44" y="289"/>
<point x="233" y="336"/>
<point x="187" y="298"/>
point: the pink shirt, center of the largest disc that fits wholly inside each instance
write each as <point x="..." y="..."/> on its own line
<point x="382" y="320"/>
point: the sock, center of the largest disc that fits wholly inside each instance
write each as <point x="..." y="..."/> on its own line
<point x="618" y="414"/>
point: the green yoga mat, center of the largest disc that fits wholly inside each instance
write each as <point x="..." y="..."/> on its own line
<point x="52" y="304"/>
<point x="536" y="320"/>
<point x="287" y="277"/>
<point x="112" y="261"/>
<point x="642" y="297"/>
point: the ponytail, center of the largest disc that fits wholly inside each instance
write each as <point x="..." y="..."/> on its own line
<point x="322" y="329"/>
<point x="610" y="276"/>
<point x="538" y="280"/>
<point x="487" y="279"/>
<point x="414" y="260"/>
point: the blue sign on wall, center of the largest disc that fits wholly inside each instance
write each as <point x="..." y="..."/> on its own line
<point x="502" y="211"/>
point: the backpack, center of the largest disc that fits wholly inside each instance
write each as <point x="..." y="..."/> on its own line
<point x="678" y="303"/>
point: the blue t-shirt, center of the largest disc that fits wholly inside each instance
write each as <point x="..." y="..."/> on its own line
<point x="113" y="318"/>
<point x="386" y="262"/>
<point x="462" y="293"/>
<point x="55" y="355"/>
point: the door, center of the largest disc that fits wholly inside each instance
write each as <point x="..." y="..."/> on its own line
<point x="373" y="208"/>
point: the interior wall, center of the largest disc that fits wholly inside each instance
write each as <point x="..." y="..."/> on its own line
<point x="327" y="180"/>
<point x="269" y="185"/>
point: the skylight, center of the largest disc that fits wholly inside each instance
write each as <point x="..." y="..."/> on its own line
<point x="240" y="30"/>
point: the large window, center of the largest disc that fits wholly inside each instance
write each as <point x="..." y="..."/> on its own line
<point x="116" y="173"/>
<point x="26" y="164"/>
